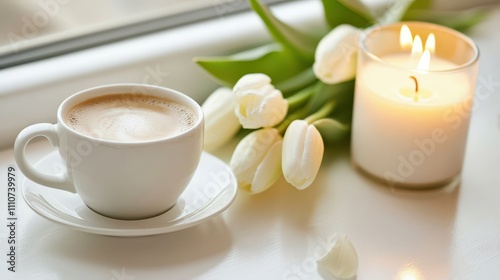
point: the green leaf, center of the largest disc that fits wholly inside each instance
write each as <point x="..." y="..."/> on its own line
<point x="271" y="60"/>
<point x="458" y="20"/>
<point x="300" y="98"/>
<point x="342" y="93"/>
<point x="331" y="130"/>
<point x="352" y="12"/>
<point x="303" y="45"/>
<point x="398" y="9"/>
<point x="420" y="5"/>
<point x="298" y="82"/>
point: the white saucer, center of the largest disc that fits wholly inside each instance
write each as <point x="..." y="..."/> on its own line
<point x="211" y="191"/>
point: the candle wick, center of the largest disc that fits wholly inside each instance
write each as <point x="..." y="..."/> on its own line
<point x="416" y="83"/>
<point x="415" y="97"/>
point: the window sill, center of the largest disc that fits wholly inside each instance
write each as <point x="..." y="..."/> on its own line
<point x="32" y="92"/>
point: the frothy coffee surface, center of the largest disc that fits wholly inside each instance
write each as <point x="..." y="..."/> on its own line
<point x="130" y="118"/>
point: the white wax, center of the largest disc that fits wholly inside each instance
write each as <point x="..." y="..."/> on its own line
<point x="406" y="140"/>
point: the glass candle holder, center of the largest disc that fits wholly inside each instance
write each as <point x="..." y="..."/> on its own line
<point x="412" y="104"/>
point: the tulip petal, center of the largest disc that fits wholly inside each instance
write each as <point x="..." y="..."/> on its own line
<point x="259" y="104"/>
<point x="342" y="260"/>
<point x="269" y="171"/>
<point x="302" y="154"/>
<point x="311" y="158"/>
<point x="250" y="152"/>
<point x="251" y="81"/>
<point x="245" y="159"/>
<point x="336" y="55"/>
<point x="293" y="145"/>
<point x="221" y="124"/>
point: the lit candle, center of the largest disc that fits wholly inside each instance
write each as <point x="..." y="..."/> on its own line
<point x="412" y="103"/>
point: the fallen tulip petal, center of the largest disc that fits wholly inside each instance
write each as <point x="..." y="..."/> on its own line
<point x="342" y="260"/>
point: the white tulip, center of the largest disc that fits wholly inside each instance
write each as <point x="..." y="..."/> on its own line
<point x="256" y="161"/>
<point x="259" y="104"/>
<point x="302" y="154"/>
<point x="336" y="55"/>
<point x="342" y="260"/>
<point x="221" y="124"/>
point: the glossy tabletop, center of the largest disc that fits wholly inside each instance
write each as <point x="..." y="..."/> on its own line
<point x="447" y="233"/>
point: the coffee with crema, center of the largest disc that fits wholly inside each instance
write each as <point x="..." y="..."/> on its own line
<point x="130" y="118"/>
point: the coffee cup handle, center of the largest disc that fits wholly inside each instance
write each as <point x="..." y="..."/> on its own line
<point x="58" y="181"/>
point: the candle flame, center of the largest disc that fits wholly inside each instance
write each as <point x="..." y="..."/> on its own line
<point x="425" y="60"/>
<point x="417" y="49"/>
<point x="430" y="43"/>
<point x="405" y="37"/>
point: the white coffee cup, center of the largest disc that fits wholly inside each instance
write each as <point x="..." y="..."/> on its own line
<point x="122" y="180"/>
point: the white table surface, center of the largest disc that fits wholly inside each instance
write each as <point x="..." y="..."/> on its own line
<point x="398" y="234"/>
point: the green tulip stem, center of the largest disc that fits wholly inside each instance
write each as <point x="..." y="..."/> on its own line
<point x="321" y="113"/>
<point x="300" y="97"/>
<point x="302" y="113"/>
<point x="299" y="114"/>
